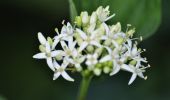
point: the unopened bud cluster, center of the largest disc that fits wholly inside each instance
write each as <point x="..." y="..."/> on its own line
<point x="94" y="47"/>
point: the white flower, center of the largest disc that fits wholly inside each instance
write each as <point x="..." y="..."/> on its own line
<point x="60" y="70"/>
<point x="48" y="55"/>
<point x="115" y="58"/>
<point x="88" y="40"/>
<point x="69" y="50"/>
<point x="77" y="61"/>
<point x="92" y="59"/>
<point x="103" y="14"/>
<point x="66" y="34"/>
<point x="110" y="34"/>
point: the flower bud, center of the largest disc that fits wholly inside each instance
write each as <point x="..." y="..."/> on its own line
<point x="42" y="48"/>
<point x="107" y="42"/>
<point x="97" y="71"/>
<point x="133" y="62"/>
<point x="50" y="41"/>
<point x="93" y="18"/>
<point x="116" y="28"/>
<point x="78" y="21"/>
<point x="106" y="70"/>
<point x="85" y="18"/>
<point x="90" y="48"/>
<point x="59" y="57"/>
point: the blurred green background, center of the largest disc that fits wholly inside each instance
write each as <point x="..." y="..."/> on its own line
<point x="24" y="78"/>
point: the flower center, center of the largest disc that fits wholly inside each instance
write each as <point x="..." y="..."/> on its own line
<point x="48" y="54"/>
<point x="60" y="70"/>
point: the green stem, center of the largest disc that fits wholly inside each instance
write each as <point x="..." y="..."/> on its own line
<point x="84" y="87"/>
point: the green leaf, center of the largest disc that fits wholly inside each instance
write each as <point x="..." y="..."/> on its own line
<point x="73" y="11"/>
<point x="144" y="15"/>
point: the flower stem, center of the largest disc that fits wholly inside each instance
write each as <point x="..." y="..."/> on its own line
<point x="84" y="87"/>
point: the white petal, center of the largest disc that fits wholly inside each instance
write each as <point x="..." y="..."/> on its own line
<point x="67" y="77"/>
<point x="141" y="75"/>
<point x="88" y="63"/>
<point x="83" y="46"/>
<point x="115" y="44"/>
<point x="64" y="45"/>
<point x="64" y="64"/>
<point x="55" y="44"/>
<point x="56" y="65"/>
<point x="56" y="75"/>
<point x="72" y="45"/>
<point x="57" y="52"/>
<point x="95" y="43"/>
<point x="116" y="68"/>
<point x="109" y="50"/>
<point x="63" y="30"/>
<point x="129" y="43"/>
<point x="133" y="77"/>
<point x="104" y="37"/>
<point x="40" y="56"/>
<point x="127" y="68"/>
<point x="106" y="29"/>
<point x="50" y="63"/>
<point x="106" y="58"/>
<point x="48" y="48"/>
<point x="134" y="51"/>
<point x="82" y="34"/>
<point x="41" y="38"/>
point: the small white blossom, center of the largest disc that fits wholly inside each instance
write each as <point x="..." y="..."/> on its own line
<point x="103" y="14"/>
<point x="92" y="59"/>
<point x="60" y="71"/>
<point x="88" y="40"/>
<point x="48" y="55"/>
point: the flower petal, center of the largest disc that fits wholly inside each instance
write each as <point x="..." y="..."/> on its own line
<point x="127" y="68"/>
<point x="106" y="58"/>
<point x="56" y="65"/>
<point x="56" y="75"/>
<point x="57" y="52"/>
<point x="67" y="77"/>
<point x="55" y="43"/>
<point x="82" y="34"/>
<point x="48" y="48"/>
<point x="116" y="68"/>
<point x="106" y="29"/>
<point x="50" y="63"/>
<point x="40" y="56"/>
<point x="95" y="43"/>
<point x="64" y="45"/>
<point x="83" y="46"/>
<point x="41" y="38"/>
<point x="134" y="75"/>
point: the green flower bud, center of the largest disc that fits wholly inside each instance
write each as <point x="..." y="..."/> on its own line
<point x="90" y="48"/>
<point x="42" y="48"/>
<point x="50" y="41"/>
<point x="107" y="42"/>
<point x="58" y="57"/>
<point x="110" y="63"/>
<point x="78" y="21"/>
<point x="133" y="62"/>
<point x="97" y="71"/>
<point x="106" y="70"/>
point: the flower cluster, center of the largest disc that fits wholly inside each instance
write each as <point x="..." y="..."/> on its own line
<point x="93" y="46"/>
